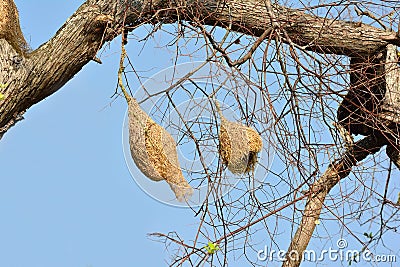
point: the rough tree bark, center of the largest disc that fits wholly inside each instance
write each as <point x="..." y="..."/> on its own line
<point x="27" y="77"/>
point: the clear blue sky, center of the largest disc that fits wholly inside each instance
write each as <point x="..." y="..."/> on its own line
<point x="66" y="195"/>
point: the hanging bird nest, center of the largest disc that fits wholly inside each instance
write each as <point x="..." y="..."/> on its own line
<point x="239" y="145"/>
<point x="154" y="151"/>
<point x="152" y="148"/>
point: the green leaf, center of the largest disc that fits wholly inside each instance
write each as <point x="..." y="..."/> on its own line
<point x="1" y="96"/>
<point x="369" y="235"/>
<point x="211" y="248"/>
<point x="3" y="85"/>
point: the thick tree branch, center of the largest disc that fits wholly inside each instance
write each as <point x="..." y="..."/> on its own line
<point x="335" y="172"/>
<point x="10" y="29"/>
<point x="385" y="124"/>
<point x="312" y="32"/>
<point x="394" y="155"/>
<point x="32" y="78"/>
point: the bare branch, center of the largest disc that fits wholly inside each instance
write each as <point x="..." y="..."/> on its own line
<point x="335" y="172"/>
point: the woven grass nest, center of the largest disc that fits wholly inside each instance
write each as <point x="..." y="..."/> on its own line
<point x="154" y="151"/>
<point x="239" y="145"/>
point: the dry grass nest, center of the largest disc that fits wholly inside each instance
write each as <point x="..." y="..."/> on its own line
<point x="239" y="146"/>
<point x="154" y="151"/>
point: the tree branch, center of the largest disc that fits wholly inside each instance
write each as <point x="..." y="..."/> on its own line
<point x="33" y="77"/>
<point x="335" y="172"/>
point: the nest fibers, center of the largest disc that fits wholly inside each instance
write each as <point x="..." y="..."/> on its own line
<point x="238" y="145"/>
<point x="154" y="151"/>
